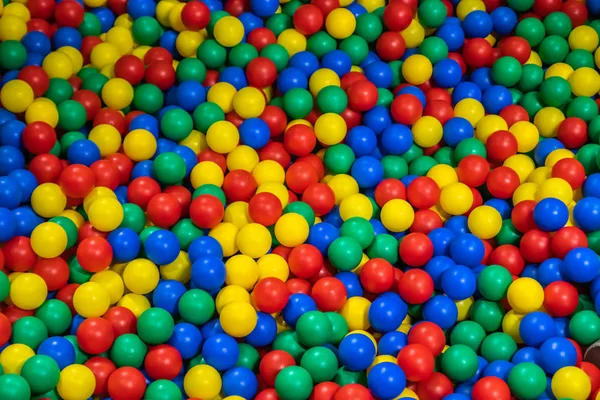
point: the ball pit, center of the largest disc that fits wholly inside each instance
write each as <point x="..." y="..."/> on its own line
<point x="299" y="199"/>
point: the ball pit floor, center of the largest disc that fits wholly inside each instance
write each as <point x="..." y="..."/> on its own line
<point x="299" y="199"/>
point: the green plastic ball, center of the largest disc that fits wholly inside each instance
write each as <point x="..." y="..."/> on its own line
<point x="584" y="327"/>
<point x="207" y="114"/>
<point x="186" y="232"/>
<point x="293" y="383"/>
<point x="321" y="363"/>
<point x="71" y="115"/>
<point x="240" y="55"/>
<point x="148" y="98"/>
<point x="553" y="49"/>
<point x="531" y="78"/>
<point x="339" y="327"/>
<point x="384" y="246"/>
<point x="288" y="341"/>
<point x="29" y="331"/>
<point x="248" y="357"/>
<point x="80" y="356"/>
<point x="163" y="389"/>
<point x="498" y="346"/>
<point x="555" y="91"/>
<point x="527" y="381"/>
<point x="369" y="27"/>
<point x="432" y="13"/>
<point x="169" y="168"/>
<point x="176" y="124"/>
<point x="320" y="44"/>
<point x="493" y="282"/>
<point x="146" y="31"/>
<point x="211" y="189"/>
<point x="128" y="350"/>
<point x="297" y="103"/>
<point x="488" y="314"/>
<point x="520" y="5"/>
<point x="41" y="373"/>
<point x="338" y="159"/>
<point x="212" y="54"/>
<point x="345" y="253"/>
<point x="155" y="326"/>
<point x="276" y="53"/>
<point x="14" y="55"/>
<point x="313" y="329"/>
<point x="356" y="47"/>
<point x="507" y="71"/>
<point x="196" y="306"/>
<point x="90" y="26"/>
<point x="4" y="286"/>
<point x="359" y="229"/>
<point x="469" y="333"/>
<point x="332" y="99"/>
<point x="558" y="23"/>
<point x="133" y="217"/>
<point x="459" y="362"/>
<point x="434" y="48"/>
<point x="60" y="89"/>
<point x="14" y="387"/>
<point x="191" y="69"/>
<point x="394" y="167"/>
<point x="532" y="30"/>
<point x="56" y="315"/>
<point x="302" y="208"/>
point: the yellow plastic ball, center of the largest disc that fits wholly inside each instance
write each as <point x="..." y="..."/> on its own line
<point x="238" y="319"/>
<point x="273" y="266"/>
<point x="525" y="191"/>
<point x="268" y="171"/>
<point x="511" y="323"/>
<point x="230" y="294"/>
<point x="456" y="198"/>
<point x="330" y="129"/>
<point x="427" y="131"/>
<point x="254" y="240"/>
<point x="562" y="70"/>
<point x="202" y="382"/>
<point x="557" y="188"/>
<point x="547" y="121"/>
<point x="371" y="5"/>
<point x="443" y="175"/>
<point x="91" y="299"/>
<point x="107" y="138"/>
<point x="222" y="137"/>
<point x="76" y="382"/>
<point x="187" y="43"/>
<point x="94" y="3"/>
<point x="356" y="205"/>
<point x="572" y="383"/>
<point x="242" y="271"/>
<point x="413" y="35"/>
<point x="141" y="276"/>
<point x="237" y="214"/>
<point x="222" y="93"/>
<point x="225" y="233"/>
<point x="322" y="78"/>
<point x="139" y="145"/>
<point x="12" y="28"/>
<point x="291" y="230"/>
<point x="28" y="291"/>
<point x="469" y="109"/>
<point x="74" y="55"/>
<point x="117" y="93"/>
<point x="97" y="193"/>
<point x="242" y="157"/>
<point x="48" y="200"/>
<point x="525" y="295"/>
<point x="343" y="186"/>
<point x="397" y="215"/>
<point x="464" y="307"/>
<point x="527" y="135"/>
<point x="292" y="40"/>
<point x="17" y="10"/>
<point x="136" y="303"/>
<point x="229" y="31"/>
<point x="583" y="37"/>
<point x="74" y="216"/>
<point x="206" y="172"/>
<point x="179" y="270"/>
<point x="417" y="69"/>
<point x="58" y="65"/>
<point x="340" y="23"/>
<point x="249" y="102"/>
<point x="485" y="222"/>
<point x="16" y="96"/>
<point x="42" y="110"/>
<point x="277" y="189"/>
<point x="356" y="313"/>
<point x="104" y="54"/>
<point x="14" y="356"/>
<point x="175" y="21"/>
<point x="112" y="282"/>
<point x="557" y="155"/>
<point x="585" y="82"/>
<point x="465" y="7"/>
<point x="122" y="38"/>
<point x="196" y="141"/>
<point x="408" y="394"/>
<point x="489" y="125"/>
<point x="106" y="214"/>
<point x="48" y="240"/>
<point x="539" y="175"/>
<point x="521" y="164"/>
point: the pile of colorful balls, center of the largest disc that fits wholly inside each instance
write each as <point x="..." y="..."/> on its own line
<point x="299" y="199"/>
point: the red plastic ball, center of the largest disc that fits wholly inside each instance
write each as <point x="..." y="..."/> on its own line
<point x="297" y="285"/>
<point x="163" y="362"/>
<point x="206" y="211"/>
<point x="353" y="391"/>
<point x="130" y="68"/>
<point x="305" y="261"/>
<point x="326" y="6"/>
<point x="46" y="168"/>
<point x="14" y="313"/>
<point x="236" y="7"/>
<point x="102" y="368"/>
<point x="501" y="145"/>
<point x="320" y="197"/>
<point x="389" y="189"/>
<point x="406" y="109"/>
<point x="329" y="293"/>
<point x="68" y="13"/>
<point x="141" y="190"/>
<point x="87" y="231"/>
<point x="41" y="8"/>
<point x="95" y="335"/>
<point x="397" y="16"/>
<point x="477" y="53"/>
<point x="535" y="246"/>
<point x="390" y="46"/>
<point x="426" y="221"/>
<point x="90" y="101"/>
<point x="578" y="13"/>
<point x="324" y="391"/>
<point x="308" y="19"/>
<point x="300" y="175"/>
<point x="274" y="117"/>
<point x="502" y="182"/>
<point x="209" y="155"/>
<point x="423" y="192"/>
<point x="417" y="362"/>
<point x="38" y="137"/>
<point x="94" y="254"/>
<point x="516" y="47"/>
<point x="377" y="275"/>
<point x="161" y="74"/>
<point x="265" y="208"/>
<point x="261" y="37"/>
<point x="560" y="298"/>
<point x="36" y="77"/>
<point x="261" y="72"/>
<point x="509" y="257"/>
<point x="571" y="170"/>
<point x="239" y="185"/>
<point x="490" y="388"/>
<point x="573" y="132"/>
<point x="593" y="373"/>
<point x="273" y="362"/>
<point x="416" y="249"/>
<point x="110" y="117"/>
<point x="122" y="319"/>
<point x="362" y="95"/>
<point x="522" y="216"/>
<point x="195" y="15"/>
<point x="126" y="383"/>
<point x="275" y="151"/>
<point x="5" y="329"/>
<point x="54" y="271"/>
<point x="567" y="239"/>
<point x="440" y="110"/>
<point x="513" y="114"/>
<point x="156" y="54"/>
<point x="164" y="210"/>
<point x="545" y="7"/>
<point x="106" y="174"/>
<point x="415" y="286"/>
<point x="270" y="295"/>
<point x="18" y="254"/>
<point x="267" y="394"/>
<point x="473" y="170"/>
<point x="428" y="334"/>
<point x="77" y="181"/>
<point x="436" y="387"/>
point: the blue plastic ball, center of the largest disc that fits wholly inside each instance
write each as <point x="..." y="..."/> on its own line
<point x="441" y="239"/>
<point x="162" y="247"/>
<point x="456" y="130"/>
<point x="297" y="305"/>
<point x="208" y="273"/>
<point x="550" y="214"/>
<point x="10" y="192"/>
<point x="351" y="283"/>
<point x="322" y="235"/>
<point x="361" y="139"/>
<point x="240" y="381"/>
<point x="187" y="339"/>
<point x="440" y="310"/>
<point x="220" y="351"/>
<point x="166" y="295"/>
<point x="447" y="73"/>
<point x="586" y="214"/>
<point x="581" y="265"/>
<point x="11" y="158"/>
<point x="265" y="331"/>
<point x="291" y="78"/>
<point x="367" y="171"/>
<point x="386" y="380"/>
<point x="477" y="24"/>
<point x="467" y="249"/>
<point x="391" y="343"/>
<point x="387" y="312"/>
<point x="84" y="152"/>
<point x="496" y="98"/>
<point x="536" y="328"/>
<point x="58" y="348"/>
<point x="356" y="352"/>
<point x="459" y="282"/>
<point x="396" y="139"/>
<point x="204" y="246"/>
<point x="556" y="353"/>
<point x="190" y="94"/>
<point x="125" y="244"/>
<point x="255" y="132"/>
